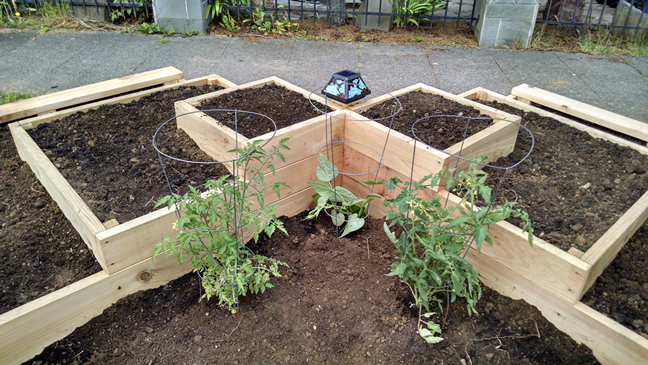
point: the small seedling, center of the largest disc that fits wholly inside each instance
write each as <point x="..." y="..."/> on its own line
<point x="343" y="206"/>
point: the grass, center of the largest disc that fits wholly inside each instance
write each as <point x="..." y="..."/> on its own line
<point x="11" y="96"/>
<point x="595" y="42"/>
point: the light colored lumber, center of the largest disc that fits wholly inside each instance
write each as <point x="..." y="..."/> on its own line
<point x="197" y="100"/>
<point x="544" y="264"/>
<point x="575" y="252"/>
<point x="484" y="109"/>
<point x="111" y="223"/>
<point x="371" y="138"/>
<point x="494" y="142"/>
<point x="74" y="208"/>
<point x="132" y="241"/>
<point x="35" y="121"/>
<point x="610" y="342"/>
<point x="214" y="139"/>
<point x="482" y="94"/>
<point x="83" y="94"/>
<point x="584" y="111"/>
<point x="28" y="329"/>
<point x="217" y="80"/>
<point x="601" y="254"/>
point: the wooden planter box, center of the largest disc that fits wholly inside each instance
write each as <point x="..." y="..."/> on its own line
<point x="611" y="342"/>
<point x="494" y="142"/>
<point x="217" y="140"/>
<point x="543" y="275"/>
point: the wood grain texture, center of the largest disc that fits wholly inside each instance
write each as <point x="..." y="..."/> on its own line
<point x="601" y="254"/>
<point x="83" y="94"/>
<point x="583" y="111"/>
<point x="35" y="121"/>
<point x="70" y="203"/>
<point x="481" y="94"/>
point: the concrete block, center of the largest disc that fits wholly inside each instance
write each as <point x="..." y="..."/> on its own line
<point x="509" y="11"/>
<point x="502" y="22"/>
<point x="631" y="17"/>
<point x="90" y="12"/>
<point x="370" y="22"/>
<point x="182" y="15"/>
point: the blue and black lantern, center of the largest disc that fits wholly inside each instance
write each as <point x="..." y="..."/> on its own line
<point x="346" y="86"/>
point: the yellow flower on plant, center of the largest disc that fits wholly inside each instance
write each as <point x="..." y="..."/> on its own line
<point x="17" y="14"/>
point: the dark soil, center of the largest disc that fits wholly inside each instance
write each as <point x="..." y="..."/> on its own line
<point x="334" y="305"/>
<point x="283" y="106"/>
<point x="438" y="132"/>
<point x="40" y="251"/>
<point x="108" y="158"/>
<point x="621" y="292"/>
<point x="552" y="184"/>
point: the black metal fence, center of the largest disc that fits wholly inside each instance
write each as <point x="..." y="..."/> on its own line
<point x="617" y="15"/>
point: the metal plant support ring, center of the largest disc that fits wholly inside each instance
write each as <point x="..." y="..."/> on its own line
<point x="235" y="228"/>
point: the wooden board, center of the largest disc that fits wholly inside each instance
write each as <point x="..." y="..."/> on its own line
<point x="610" y="342"/>
<point x="196" y="101"/>
<point x="481" y="94"/>
<point x="601" y="254"/>
<point x="492" y="112"/>
<point x="133" y="241"/>
<point x="70" y="203"/>
<point x="545" y="265"/>
<point x="27" y="330"/>
<point x="583" y="111"/>
<point x="33" y="122"/>
<point x="306" y="137"/>
<point x="84" y="94"/>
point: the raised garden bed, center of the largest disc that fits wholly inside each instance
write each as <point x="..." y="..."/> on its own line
<point x="503" y="266"/>
<point x="22" y="333"/>
<point x="604" y="250"/>
<point x="492" y="141"/>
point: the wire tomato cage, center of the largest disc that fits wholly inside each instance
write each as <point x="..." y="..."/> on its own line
<point x="238" y="179"/>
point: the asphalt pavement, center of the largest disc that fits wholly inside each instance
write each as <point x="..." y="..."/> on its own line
<point x="49" y="62"/>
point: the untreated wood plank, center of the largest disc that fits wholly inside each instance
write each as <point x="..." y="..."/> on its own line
<point x="28" y="329"/>
<point x="74" y="208"/>
<point x="83" y="94"/>
<point x="610" y="342"/>
<point x="212" y="137"/>
<point x="132" y="241"/>
<point x="35" y="121"/>
<point x="481" y="94"/>
<point x="583" y="111"/>
<point x="371" y="137"/>
<point x="601" y="254"/>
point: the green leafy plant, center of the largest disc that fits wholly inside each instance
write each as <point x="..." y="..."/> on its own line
<point x="11" y="96"/>
<point x="214" y="225"/>
<point x="344" y="206"/>
<point x="152" y="28"/>
<point x="406" y="11"/>
<point x="126" y="11"/>
<point x="418" y="39"/>
<point x="435" y="235"/>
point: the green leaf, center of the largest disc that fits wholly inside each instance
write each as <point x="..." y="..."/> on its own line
<point x="428" y="336"/>
<point x="326" y="171"/>
<point x="353" y="224"/>
<point x="344" y="196"/>
<point x="322" y="188"/>
<point x="480" y="236"/>
<point x="337" y="217"/>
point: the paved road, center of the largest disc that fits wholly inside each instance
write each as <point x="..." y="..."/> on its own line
<point x="57" y="61"/>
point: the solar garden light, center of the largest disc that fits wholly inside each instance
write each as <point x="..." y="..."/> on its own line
<point x="346" y="86"/>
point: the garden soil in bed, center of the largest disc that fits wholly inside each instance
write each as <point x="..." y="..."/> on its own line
<point x="574" y="186"/>
<point x="564" y="160"/>
<point x="438" y="132"/>
<point x="285" y="107"/>
<point x="40" y="251"/>
<point x="333" y="305"/>
<point x="108" y="157"/>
